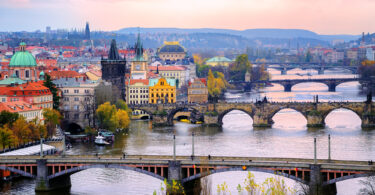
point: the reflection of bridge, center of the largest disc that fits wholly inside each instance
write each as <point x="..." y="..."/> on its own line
<point x="261" y="112"/>
<point x="289" y="83"/>
<point x="285" y="67"/>
<point x="54" y="172"/>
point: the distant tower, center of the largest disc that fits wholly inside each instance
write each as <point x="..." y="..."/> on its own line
<point x="113" y="70"/>
<point x="87" y="31"/>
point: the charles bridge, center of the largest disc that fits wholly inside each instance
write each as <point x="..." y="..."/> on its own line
<point x="261" y="112"/>
<point x="53" y="172"/>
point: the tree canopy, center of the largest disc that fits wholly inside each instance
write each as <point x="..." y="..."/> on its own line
<point x="52" y="87"/>
<point x="111" y="118"/>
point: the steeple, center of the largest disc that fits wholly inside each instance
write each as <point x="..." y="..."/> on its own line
<point x="87" y="31"/>
<point x="113" y="53"/>
<point x="138" y="49"/>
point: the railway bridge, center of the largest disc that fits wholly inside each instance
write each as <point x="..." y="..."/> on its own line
<point x="53" y="172"/>
<point x="261" y="112"/>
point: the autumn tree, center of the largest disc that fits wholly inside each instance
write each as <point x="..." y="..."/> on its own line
<point x="216" y="85"/>
<point x="111" y="118"/>
<point x="52" y="118"/>
<point x="7" y="138"/>
<point x="238" y="69"/>
<point x="21" y="130"/>
<point x="52" y="87"/>
<point x="37" y="129"/>
<point x="123" y="119"/>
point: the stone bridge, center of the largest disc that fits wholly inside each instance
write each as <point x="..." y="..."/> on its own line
<point x="261" y="112"/>
<point x="53" y="172"/>
<point x="331" y="83"/>
<point x="285" y="67"/>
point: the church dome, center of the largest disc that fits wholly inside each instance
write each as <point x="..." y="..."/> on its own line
<point x="171" y="47"/>
<point x="22" y="58"/>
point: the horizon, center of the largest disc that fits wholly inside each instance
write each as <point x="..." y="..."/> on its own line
<point x="333" y="17"/>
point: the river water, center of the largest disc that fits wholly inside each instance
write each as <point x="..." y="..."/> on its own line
<point x="288" y="137"/>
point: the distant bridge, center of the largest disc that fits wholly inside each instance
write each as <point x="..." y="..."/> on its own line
<point x="261" y="112"/>
<point x="285" y="67"/>
<point x="332" y="83"/>
<point x="52" y="172"/>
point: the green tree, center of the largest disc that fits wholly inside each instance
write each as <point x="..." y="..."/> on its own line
<point x="7" y="118"/>
<point x="238" y="69"/>
<point x="6" y="137"/>
<point x="52" y="87"/>
<point x="52" y="118"/>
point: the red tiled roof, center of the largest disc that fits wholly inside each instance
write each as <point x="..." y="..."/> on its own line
<point x="17" y="106"/>
<point x="64" y="74"/>
<point x="46" y="62"/>
<point x="134" y="81"/>
<point x="27" y="89"/>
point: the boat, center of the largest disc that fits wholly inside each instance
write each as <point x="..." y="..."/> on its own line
<point x="185" y="120"/>
<point x="99" y="140"/>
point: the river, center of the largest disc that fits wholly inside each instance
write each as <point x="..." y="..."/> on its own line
<point x="288" y="137"/>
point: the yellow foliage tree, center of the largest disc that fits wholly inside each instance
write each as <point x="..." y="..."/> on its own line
<point x="123" y="119"/>
<point x="21" y="130"/>
<point x="110" y="118"/>
<point x="52" y="118"/>
<point x="6" y="137"/>
<point x="216" y="86"/>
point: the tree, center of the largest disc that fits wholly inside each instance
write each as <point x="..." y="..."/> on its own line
<point x="369" y="186"/>
<point x="7" y="118"/>
<point x="216" y="86"/>
<point x="6" y="137"/>
<point x="37" y="129"/>
<point x="106" y="114"/>
<point x="52" y="87"/>
<point x="238" y="69"/>
<point x="21" y="130"/>
<point x="52" y="118"/>
<point x="123" y="119"/>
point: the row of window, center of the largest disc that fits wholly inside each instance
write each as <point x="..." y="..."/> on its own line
<point x="162" y="90"/>
<point x="139" y="102"/>
<point x="162" y="95"/>
<point x="76" y="116"/>
<point x="136" y="96"/>
<point x="171" y="74"/>
<point x="30" y="114"/>
<point x="161" y="101"/>
<point x="75" y="91"/>
<point x="76" y="99"/>
<point x="136" y="91"/>
<point x="172" y="56"/>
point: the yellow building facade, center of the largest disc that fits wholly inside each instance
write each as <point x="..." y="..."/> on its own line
<point x="162" y="93"/>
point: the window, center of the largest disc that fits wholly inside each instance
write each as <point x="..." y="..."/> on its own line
<point x="76" y="91"/>
<point x="66" y="99"/>
<point x="87" y="91"/>
<point x="87" y="116"/>
<point x="66" y="90"/>
<point x="66" y="107"/>
<point x="76" y="107"/>
<point x="87" y="98"/>
<point x="76" y="99"/>
<point x="27" y="73"/>
<point x="67" y="115"/>
<point x="17" y="73"/>
<point x="76" y="115"/>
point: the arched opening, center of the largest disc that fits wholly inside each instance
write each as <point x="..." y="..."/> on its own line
<point x="236" y="120"/>
<point x="352" y="86"/>
<point x="182" y="118"/>
<point x="310" y="86"/>
<point x="288" y="118"/>
<point x="338" y="71"/>
<point x="145" y="117"/>
<point x="140" y="114"/>
<point x="342" y="118"/>
<point x="74" y="128"/>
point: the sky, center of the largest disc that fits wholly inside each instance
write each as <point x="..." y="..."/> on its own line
<point x="321" y="16"/>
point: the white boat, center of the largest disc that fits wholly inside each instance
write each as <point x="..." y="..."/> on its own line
<point x="100" y="140"/>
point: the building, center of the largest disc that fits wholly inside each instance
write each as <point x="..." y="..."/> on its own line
<point x="64" y="74"/>
<point x="77" y="103"/>
<point x="247" y="76"/>
<point x="87" y="31"/>
<point x="34" y="93"/>
<point x="219" y="61"/>
<point x="178" y="73"/>
<point x="137" y="91"/>
<point x="171" y="51"/>
<point x="352" y="53"/>
<point x="29" y="111"/>
<point x="139" y="67"/>
<point x="113" y="71"/>
<point x="23" y="64"/>
<point x="162" y="92"/>
<point x="370" y="54"/>
<point x="197" y="91"/>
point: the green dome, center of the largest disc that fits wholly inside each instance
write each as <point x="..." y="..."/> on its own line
<point x="22" y="58"/>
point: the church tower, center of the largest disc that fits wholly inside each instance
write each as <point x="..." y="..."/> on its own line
<point x="139" y="67"/>
<point x="87" y="31"/>
<point x="113" y="70"/>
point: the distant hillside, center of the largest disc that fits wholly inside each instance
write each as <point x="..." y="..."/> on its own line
<point x="249" y="33"/>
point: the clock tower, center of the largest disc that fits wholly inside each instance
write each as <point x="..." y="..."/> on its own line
<point x="138" y="64"/>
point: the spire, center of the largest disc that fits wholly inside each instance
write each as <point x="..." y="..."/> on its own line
<point x="113" y="53"/>
<point x="87" y="31"/>
<point x="138" y="48"/>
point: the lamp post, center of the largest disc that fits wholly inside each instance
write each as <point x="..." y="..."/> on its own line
<point x="192" y="146"/>
<point x="174" y="147"/>
<point x="315" y="150"/>
<point x="329" y="148"/>
<point x="41" y="147"/>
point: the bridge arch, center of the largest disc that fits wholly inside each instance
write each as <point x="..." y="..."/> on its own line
<point x="287" y="107"/>
<point x="222" y="114"/>
<point x="341" y="107"/>
<point x="115" y="166"/>
<point x="253" y="169"/>
<point x="173" y="112"/>
<point x="18" y="171"/>
<point x="343" y="178"/>
<point x="145" y="111"/>
<point x="298" y="83"/>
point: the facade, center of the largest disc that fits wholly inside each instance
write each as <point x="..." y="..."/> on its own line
<point x="113" y="71"/>
<point x="23" y="64"/>
<point x="179" y="73"/>
<point x="24" y="109"/>
<point x="162" y="93"/>
<point x="370" y="54"/>
<point x="247" y="76"/>
<point x="219" y="61"/>
<point x="77" y="103"/>
<point x="352" y="54"/>
<point x="171" y="51"/>
<point x="137" y="91"/>
<point x="197" y="91"/>
<point x="34" y="93"/>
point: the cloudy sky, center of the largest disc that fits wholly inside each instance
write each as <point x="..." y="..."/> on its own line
<point x="321" y="16"/>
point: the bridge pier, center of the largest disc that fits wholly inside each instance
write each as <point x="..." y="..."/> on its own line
<point x="368" y="120"/>
<point x="212" y="120"/>
<point x="332" y="87"/>
<point x="43" y="183"/>
<point x="321" y="71"/>
<point x="288" y="87"/>
<point x="284" y="71"/>
<point x="315" y="120"/>
<point x="262" y="120"/>
<point x="161" y="120"/>
<point x="316" y="182"/>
